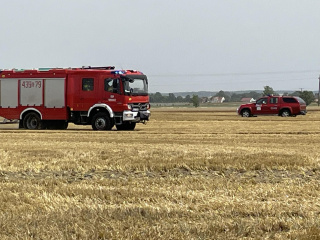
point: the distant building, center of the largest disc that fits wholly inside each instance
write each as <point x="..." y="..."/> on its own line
<point x="247" y="100"/>
<point x="217" y="99"/>
<point x="204" y="99"/>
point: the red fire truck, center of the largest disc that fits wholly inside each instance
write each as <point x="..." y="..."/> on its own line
<point x="97" y="96"/>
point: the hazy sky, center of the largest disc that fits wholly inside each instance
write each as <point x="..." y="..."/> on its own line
<point x="182" y="45"/>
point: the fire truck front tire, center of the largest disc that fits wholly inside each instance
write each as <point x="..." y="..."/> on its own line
<point x="101" y="121"/>
<point x="32" y="121"/>
<point x="129" y="126"/>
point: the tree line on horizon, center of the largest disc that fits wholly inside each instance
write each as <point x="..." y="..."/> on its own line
<point x="307" y="96"/>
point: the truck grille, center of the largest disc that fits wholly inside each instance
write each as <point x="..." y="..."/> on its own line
<point x="139" y="106"/>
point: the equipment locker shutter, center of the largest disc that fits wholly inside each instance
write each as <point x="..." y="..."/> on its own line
<point x="54" y="93"/>
<point x="31" y="92"/>
<point x="9" y="93"/>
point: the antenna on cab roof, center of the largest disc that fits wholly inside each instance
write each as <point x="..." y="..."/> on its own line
<point x="101" y="68"/>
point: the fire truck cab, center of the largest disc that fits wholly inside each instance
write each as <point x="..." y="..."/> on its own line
<point x="51" y="98"/>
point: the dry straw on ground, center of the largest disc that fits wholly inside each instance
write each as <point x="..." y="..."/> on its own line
<point x="185" y="175"/>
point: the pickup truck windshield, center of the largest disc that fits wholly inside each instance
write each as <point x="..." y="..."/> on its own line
<point x="135" y="85"/>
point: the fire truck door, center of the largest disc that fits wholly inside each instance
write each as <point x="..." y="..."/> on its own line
<point x="87" y="93"/>
<point x="110" y="90"/>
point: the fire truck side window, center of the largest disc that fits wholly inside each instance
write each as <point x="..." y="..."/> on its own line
<point x="87" y="84"/>
<point x="111" y="85"/>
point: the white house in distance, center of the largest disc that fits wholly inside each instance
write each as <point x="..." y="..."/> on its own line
<point x="217" y="99"/>
<point x="247" y="100"/>
<point x="212" y="99"/>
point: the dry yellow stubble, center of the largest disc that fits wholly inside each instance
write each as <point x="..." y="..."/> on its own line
<point x="187" y="174"/>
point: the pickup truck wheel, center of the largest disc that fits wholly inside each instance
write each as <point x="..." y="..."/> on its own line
<point x="285" y="113"/>
<point x="245" y="113"/>
<point x="101" y="121"/>
<point x="32" y="121"/>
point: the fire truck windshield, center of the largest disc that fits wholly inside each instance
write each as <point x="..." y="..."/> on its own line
<point x="135" y="85"/>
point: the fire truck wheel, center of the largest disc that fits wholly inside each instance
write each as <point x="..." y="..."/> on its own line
<point x="126" y="126"/>
<point x="101" y="121"/>
<point x="32" y="121"/>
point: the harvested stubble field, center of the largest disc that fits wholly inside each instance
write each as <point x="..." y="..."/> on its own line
<point x="187" y="174"/>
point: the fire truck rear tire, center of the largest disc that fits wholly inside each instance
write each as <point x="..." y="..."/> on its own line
<point x="21" y="124"/>
<point x="101" y="121"/>
<point x="32" y="121"/>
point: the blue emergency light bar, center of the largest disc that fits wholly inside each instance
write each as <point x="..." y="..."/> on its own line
<point x="119" y="72"/>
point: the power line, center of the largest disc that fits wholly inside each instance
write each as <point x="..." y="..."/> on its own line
<point x="237" y="81"/>
<point x="230" y="74"/>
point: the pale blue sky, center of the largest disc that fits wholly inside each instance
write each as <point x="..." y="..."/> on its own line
<point x="181" y="45"/>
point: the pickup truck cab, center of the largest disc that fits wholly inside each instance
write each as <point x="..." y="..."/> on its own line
<point x="274" y="105"/>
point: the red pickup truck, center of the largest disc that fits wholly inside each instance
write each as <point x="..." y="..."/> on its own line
<point x="274" y="105"/>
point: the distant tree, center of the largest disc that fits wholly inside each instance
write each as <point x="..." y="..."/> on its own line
<point x="195" y="100"/>
<point x="296" y="93"/>
<point x="179" y="99"/>
<point x="254" y="95"/>
<point x="235" y="97"/>
<point x="227" y="98"/>
<point x="171" y="98"/>
<point x="223" y="94"/>
<point x="220" y="94"/>
<point x="157" y="98"/>
<point x="188" y="99"/>
<point x="307" y="96"/>
<point x="268" y="91"/>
